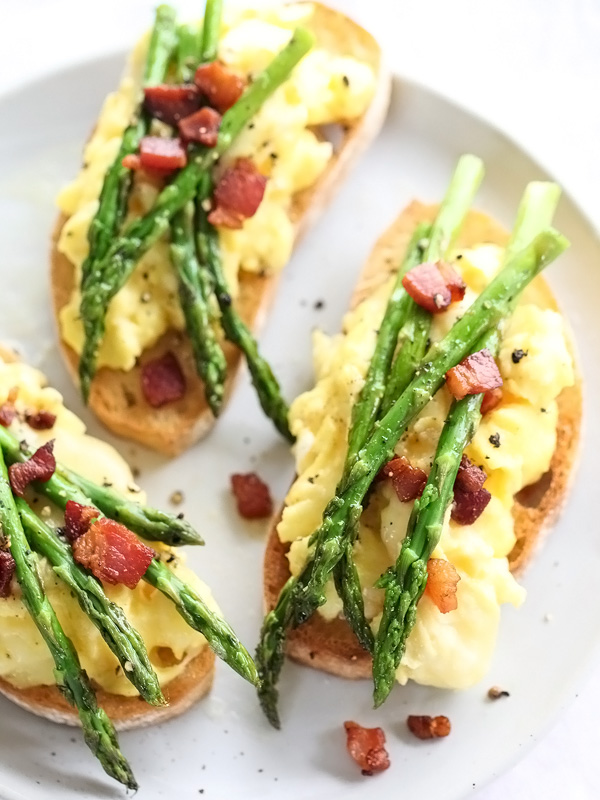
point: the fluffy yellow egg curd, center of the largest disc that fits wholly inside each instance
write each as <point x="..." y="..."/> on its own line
<point x="24" y="658"/>
<point x="450" y="650"/>
<point x="283" y="140"/>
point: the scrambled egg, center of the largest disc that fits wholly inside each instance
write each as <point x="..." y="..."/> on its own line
<point x="326" y="87"/>
<point x="447" y="650"/>
<point x="24" y="658"/>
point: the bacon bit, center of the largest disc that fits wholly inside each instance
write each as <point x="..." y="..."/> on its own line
<point x="367" y="747"/>
<point x="425" y="727"/>
<point x="469" y="506"/>
<point x="408" y="481"/>
<point x="113" y="553"/>
<point x="434" y="286"/>
<point x="78" y="519"/>
<point x="490" y="400"/>
<point x="41" y="420"/>
<point x="162" y="381"/>
<point x="171" y="103"/>
<point x="160" y="153"/>
<point x="7" y="571"/>
<point x="442" y="582"/>
<point x="7" y="414"/>
<point x="202" y="126"/>
<point x="238" y="194"/>
<point x="220" y="85"/>
<point x="252" y="496"/>
<point x="470" y="478"/>
<point x="132" y="161"/>
<point x="40" y="467"/>
<point x="475" y="374"/>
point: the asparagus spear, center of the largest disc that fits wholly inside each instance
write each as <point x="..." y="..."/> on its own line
<point x="414" y="335"/>
<point x="413" y="322"/>
<point x="364" y="414"/>
<point x="189" y="38"/>
<point x="110" y="273"/>
<point x="307" y="593"/>
<point x="405" y="583"/>
<point x="124" y="641"/>
<point x="149" y="523"/>
<point x="212" y="29"/>
<point x="265" y="382"/>
<point x="112" y="204"/>
<point x="98" y="731"/>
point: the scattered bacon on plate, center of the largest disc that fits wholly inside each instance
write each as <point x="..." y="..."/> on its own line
<point x="475" y="374"/>
<point x="7" y="571"/>
<point x="425" y="727"/>
<point x="113" y="553"/>
<point x="434" y="286"/>
<point x="469" y="506"/>
<point x="442" y="583"/>
<point x="162" y="380"/>
<point x="202" y="126"/>
<point x="252" y="496"/>
<point x="367" y="747"/>
<point x="408" y="481"/>
<point x="7" y="414"/>
<point x="78" y="519"/>
<point x="160" y="153"/>
<point x="171" y="103"/>
<point x="221" y="86"/>
<point x="470" y="477"/>
<point x="40" y="467"/>
<point x="491" y="399"/>
<point x="238" y="194"/>
<point x="41" y="420"/>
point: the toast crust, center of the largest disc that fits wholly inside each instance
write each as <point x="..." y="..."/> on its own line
<point x="116" y="397"/>
<point x="332" y="646"/>
<point x="125" y="712"/>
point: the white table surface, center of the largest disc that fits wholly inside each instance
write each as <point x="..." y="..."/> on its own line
<point x="530" y="67"/>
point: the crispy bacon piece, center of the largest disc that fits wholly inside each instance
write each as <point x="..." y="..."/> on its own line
<point x="132" y="161"/>
<point x="221" y="86"/>
<point x="252" y="496"/>
<point x="434" y="285"/>
<point x="7" y="414"/>
<point x="490" y="400"/>
<point x="442" y="582"/>
<point x="41" y="420"/>
<point x="7" y="571"/>
<point x="367" y="747"/>
<point x="469" y="506"/>
<point x="78" y="519"/>
<point x="160" y="153"/>
<point x="171" y="103"/>
<point x="238" y="194"/>
<point x="475" y="374"/>
<point x="470" y="477"/>
<point x="40" y="467"/>
<point x="163" y="380"/>
<point x="201" y="126"/>
<point x="425" y="727"/>
<point x="408" y="481"/>
<point x="113" y="553"/>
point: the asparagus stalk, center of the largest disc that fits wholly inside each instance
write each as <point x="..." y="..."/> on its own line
<point x="110" y="273"/>
<point x="112" y="204"/>
<point x="149" y="523"/>
<point x="212" y="30"/>
<point x="124" y="641"/>
<point x="263" y="379"/>
<point x="414" y="335"/>
<point x="189" y="38"/>
<point x="485" y="313"/>
<point x="98" y="731"/>
<point x="364" y="414"/>
<point x="219" y="635"/>
<point x="405" y="583"/>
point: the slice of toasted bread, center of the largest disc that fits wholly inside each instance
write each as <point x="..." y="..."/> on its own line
<point x="125" y="712"/>
<point x="332" y="646"/>
<point x="116" y="396"/>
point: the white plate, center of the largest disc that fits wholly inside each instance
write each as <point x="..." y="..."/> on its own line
<point x="224" y="748"/>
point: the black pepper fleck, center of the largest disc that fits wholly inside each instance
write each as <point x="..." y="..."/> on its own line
<point x="518" y="354"/>
<point x="345" y="80"/>
<point x="495" y="439"/>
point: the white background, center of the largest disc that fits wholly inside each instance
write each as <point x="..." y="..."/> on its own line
<point x="529" y="66"/>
